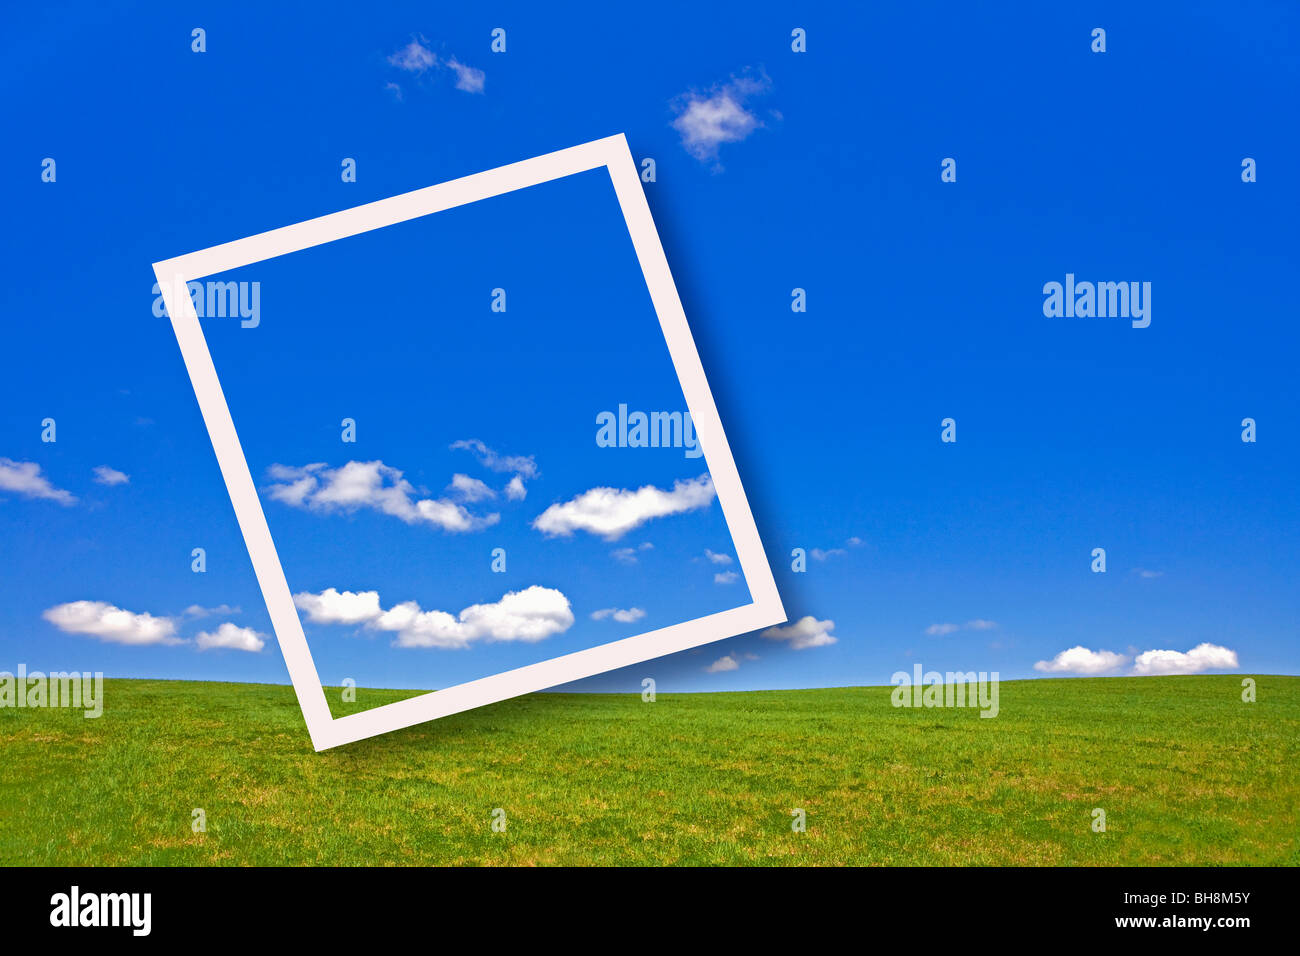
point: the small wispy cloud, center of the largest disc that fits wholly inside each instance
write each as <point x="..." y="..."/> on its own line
<point x="825" y="554"/>
<point x="726" y="577"/>
<point x="629" y="616"/>
<point x="979" y="624"/>
<point x="707" y="120"/>
<point x="468" y="78"/>
<point x="25" y="478"/>
<point x="523" y="465"/>
<point x="470" y="489"/>
<point x="628" y="555"/>
<point x="722" y="664"/>
<point x="717" y="558"/>
<point x="1148" y="573"/>
<point x="418" y="59"/>
<point x="198" y="610"/>
<point x="105" y="475"/>
<point x="415" y="57"/>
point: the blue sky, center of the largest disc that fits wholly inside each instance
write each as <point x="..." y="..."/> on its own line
<point x="775" y="170"/>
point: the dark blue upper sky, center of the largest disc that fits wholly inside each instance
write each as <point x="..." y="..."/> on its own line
<point x="775" y="170"/>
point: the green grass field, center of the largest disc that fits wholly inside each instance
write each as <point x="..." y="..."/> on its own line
<point x="1186" y="772"/>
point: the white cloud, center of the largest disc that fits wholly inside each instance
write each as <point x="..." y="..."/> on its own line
<point x="530" y="615"/>
<point x="979" y="624"/>
<point x="112" y="624"/>
<point x="468" y="78"/>
<point x="855" y="542"/>
<point x="628" y="555"/>
<point x="333" y="607"/>
<point x="629" y="616"/>
<point x="817" y="554"/>
<point x="415" y="57"/>
<point x="522" y="465"/>
<point x="1202" y="657"/>
<point x="198" y="610"/>
<point x="1081" y="660"/>
<point x="705" y="122"/>
<point x="726" y="577"/>
<point x="231" y="637"/>
<point x="612" y="512"/>
<point x="1148" y="573"/>
<point x="105" y="475"/>
<point x="368" y="484"/>
<point x="470" y="489"/>
<point x="717" y="558"/>
<point x="25" y="478"/>
<point x="727" y="663"/>
<point x="804" y="633"/>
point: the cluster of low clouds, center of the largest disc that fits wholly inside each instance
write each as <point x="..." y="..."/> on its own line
<point x="705" y="119"/>
<point x="465" y="505"/>
<point x="522" y="467"/>
<point x="802" y="635"/>
<point x="530" y="615"/>
<point x="114" y="625"/>
<point x="629" y="555"/>
<point x="25" y="478"/>
<point x="373" y="485"/>
<point x="725" y="560"/>
<point x="533" y="613"/>
<point x="1083" y="661"/>
<point x="418" y="61"/>
<point x="376" y="486"/>
<point x="608" y="513"/>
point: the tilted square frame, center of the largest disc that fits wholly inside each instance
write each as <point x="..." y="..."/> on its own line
<point x="327" y="731"/>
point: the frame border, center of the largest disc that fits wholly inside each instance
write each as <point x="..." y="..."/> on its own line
<point x="326" y="731"/>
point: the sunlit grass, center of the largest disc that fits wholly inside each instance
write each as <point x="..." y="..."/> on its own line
<point x="1186" y="772"/>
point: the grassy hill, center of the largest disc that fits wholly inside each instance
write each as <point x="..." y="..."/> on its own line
<point x="1186" y="772"/>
